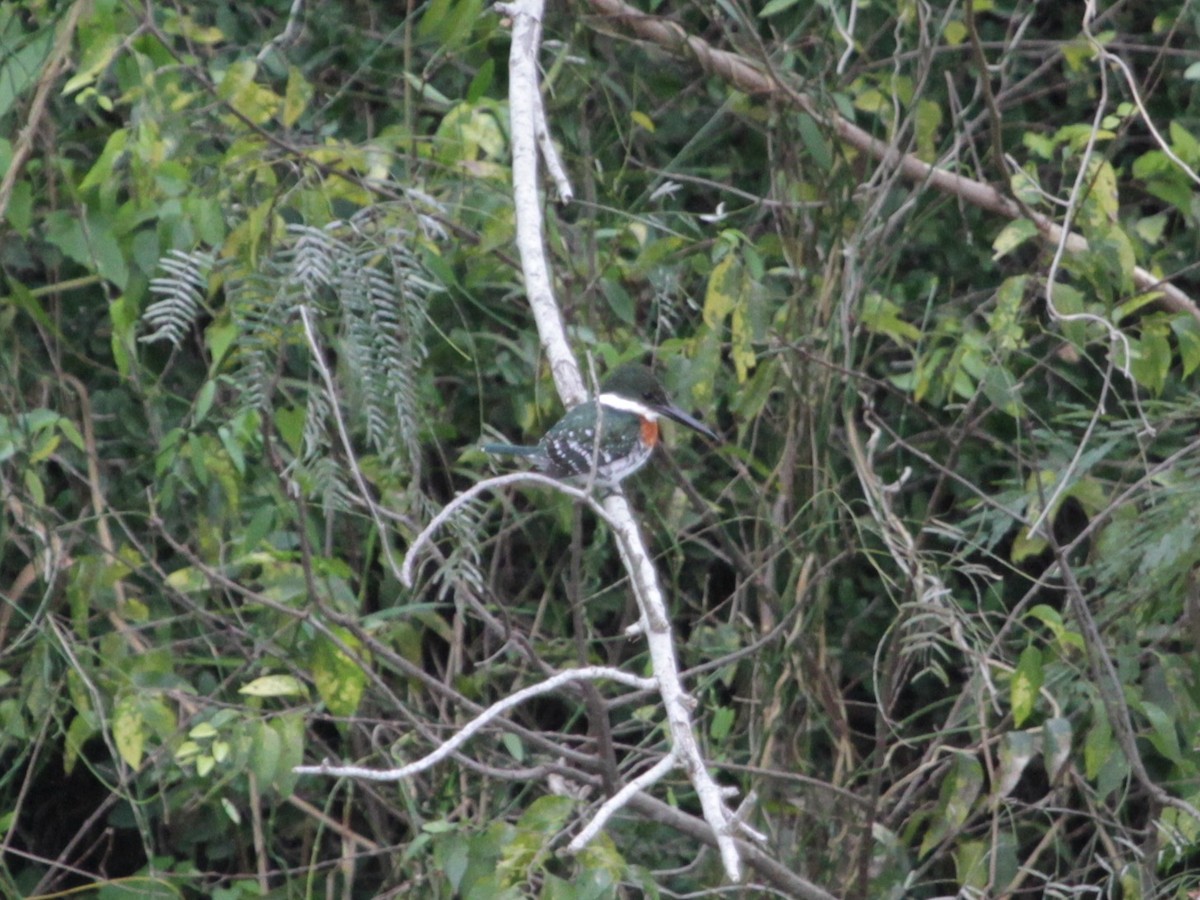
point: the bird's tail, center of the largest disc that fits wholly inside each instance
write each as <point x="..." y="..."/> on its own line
<point x="511" y="450"/>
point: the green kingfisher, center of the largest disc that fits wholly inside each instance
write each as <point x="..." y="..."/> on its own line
<point x="610" y="437"/>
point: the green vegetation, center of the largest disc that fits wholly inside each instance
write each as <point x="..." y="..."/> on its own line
<point x="936" y="596"/>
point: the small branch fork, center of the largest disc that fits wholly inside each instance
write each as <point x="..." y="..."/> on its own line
<point x="531" y="136"/>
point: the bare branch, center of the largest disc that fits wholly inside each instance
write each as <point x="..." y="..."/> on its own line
<point x="468" y="731"/>
<point x="524" y="103"/>
<point x="620" y="800"/>
<point x="523" y="109"/>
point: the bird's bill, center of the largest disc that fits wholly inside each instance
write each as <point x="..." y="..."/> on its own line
<point x="683" y="418"/>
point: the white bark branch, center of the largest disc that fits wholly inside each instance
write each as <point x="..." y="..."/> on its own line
<point x="490" y="484"/>
<point x="529" y="130"/>
<point x="621" y="799"/>
<point x="524" y="102"/>
<point x="523" y="105"/>
<point x="468" y="731"/>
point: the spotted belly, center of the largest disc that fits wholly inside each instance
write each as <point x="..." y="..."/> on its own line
<point x="610" y="470"/>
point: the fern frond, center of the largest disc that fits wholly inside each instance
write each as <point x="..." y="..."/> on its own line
<point x="314" y="259"/>
<point x="182" y="291"/>
<point x="260" y="320"/>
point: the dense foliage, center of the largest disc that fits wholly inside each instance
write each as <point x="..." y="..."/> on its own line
<point x="936" y="593"/>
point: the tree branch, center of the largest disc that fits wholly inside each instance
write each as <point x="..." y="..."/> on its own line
<point x="746" y="76"/>
<point x="524" y="103"/>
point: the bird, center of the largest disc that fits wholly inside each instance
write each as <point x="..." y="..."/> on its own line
<point x="608" y="438"/>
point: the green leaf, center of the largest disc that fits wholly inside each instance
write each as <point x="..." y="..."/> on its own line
<point x="1098" y="745"/>
<point x="619" y="301"/>
<point x="95" y="248"/>
<point x="1164" y="734"/>
<point x="203" y="731"/>
<point x="960" y="788"/>
<point x="81" y="730"/>
<point x="1101" y="203"/>
<point x="775" y="7"/>
<point x="450" y="22"/>
<point x="102" y="170"/>
<point x="1056" y="745"/>
<point x="481" y="81"/>
<point x="1066" y="638"/>
<point x="1151" y="361"/>
<point x="292" y="740"/>
<point x="815" y="141"/>
<point x="872" y="100"/>
<point x="21" y="65"/>
<point x="266" y="751"/>
<point x="1025" y="186"/>
<point x="882" y="316"/>
<point x="546" y="815"/>
<point x="1150" y="228"/>
<point x="1187" y="333"/>
<point x="1017" y="750"/>
<point x="722" y="722"/>
<point x="1184" y="143"/>
<point x="928" y="122"/>
<point x="970" y="865"/>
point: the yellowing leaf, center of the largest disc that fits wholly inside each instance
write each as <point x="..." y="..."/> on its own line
<point x="340" y="680"/>
<point x="1013" y="235"/>
<point x="955" y="32"/>
<point x="203" y="731"/>
<point x="642" y="120"/>
<point x="872" y="100"/>
<point x="129" y="731"/>
<point x="1026" y="682"/>
<point x="728" y="296"/>
<point x="719" y="299"/>
<point x="960" y="787"/>
<point x="1102" y="201"/>
<point x="929" y="120"/>
<point x="239" y="89"/>
<point x="744" y="357"/>
<point x="296" y="97"/>
<point x="273" y="686"/>
<point x="187" y="579"/>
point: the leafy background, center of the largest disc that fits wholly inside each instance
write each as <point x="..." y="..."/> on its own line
<point x="936" y="592"/>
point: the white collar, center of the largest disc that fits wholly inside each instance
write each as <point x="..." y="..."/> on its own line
<point x="624" y="404"/>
